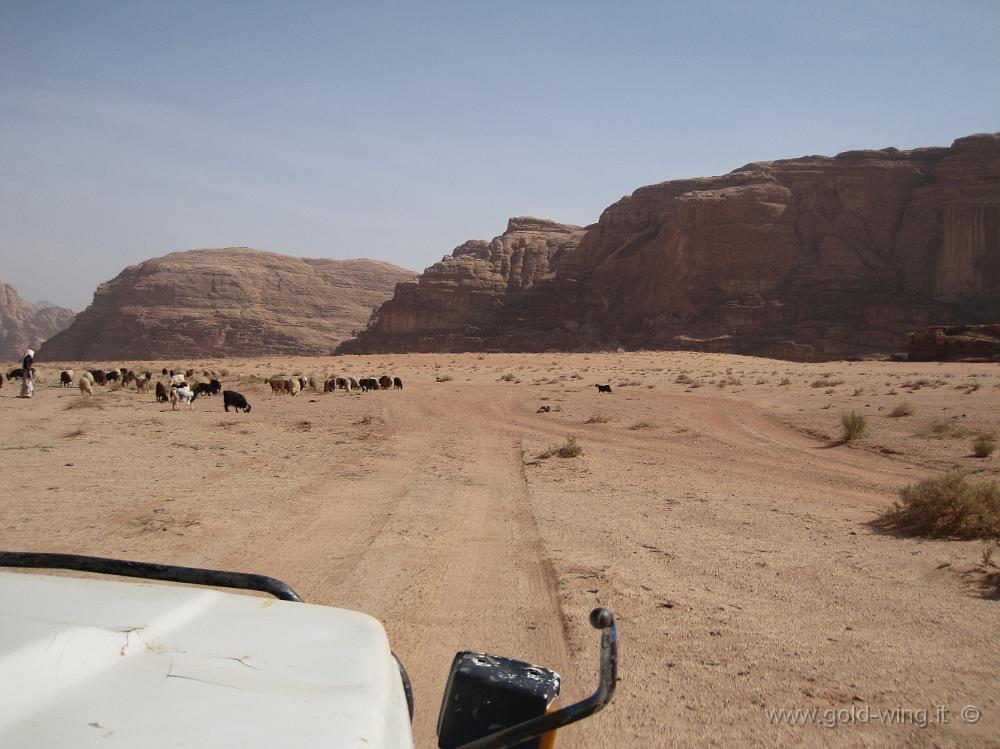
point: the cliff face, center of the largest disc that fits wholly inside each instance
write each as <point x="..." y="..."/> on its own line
<point x="226" y="302"/>
<point x="803" y="258"/>
<point x="472" y="295"/>
<point x="24" y="325"/>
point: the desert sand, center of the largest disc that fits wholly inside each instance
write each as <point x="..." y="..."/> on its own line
<point x="726" y="527"/>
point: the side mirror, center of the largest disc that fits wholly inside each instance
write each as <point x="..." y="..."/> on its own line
<point x="499" y="703"/>
<point x="486" y="694"/>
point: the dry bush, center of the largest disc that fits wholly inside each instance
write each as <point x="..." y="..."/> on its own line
<point x="598" y="419"/>
<point x="903" y="409"/>
<point x="85" y="402"/>
<point x="984" y="445"/>
<point x="855" y="426"/>
<point x="785" y="381"/>
<point x="571" y="449"/>
<point x="947" y="505"/>
<point x="941" y="429"/>
<point x="507" y="377"/>
<point x="643" y="425"/>
<point x="443" y="378"/>
<point x="75" y="433"/>
<point x="825" y="383"/>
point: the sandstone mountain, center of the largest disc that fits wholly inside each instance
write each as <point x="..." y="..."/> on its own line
<point x="24" y="325"/>
<point x="804" y="258"/>
<point x="226" y="302"/>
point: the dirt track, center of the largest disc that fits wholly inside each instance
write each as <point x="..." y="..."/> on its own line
<point x="734" y="547"/>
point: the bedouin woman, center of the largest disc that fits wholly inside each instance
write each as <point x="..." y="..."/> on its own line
<point x="28" y="374"/>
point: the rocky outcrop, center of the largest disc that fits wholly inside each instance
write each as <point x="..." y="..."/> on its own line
<point x="24" y="325"/>
<point x="226" y="302"/>
<point x="805" y="258"/>
<point x="472" y="295"/>
<point x="954" y="343"/>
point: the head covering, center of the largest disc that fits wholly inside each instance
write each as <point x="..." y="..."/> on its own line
<point x="30" y="353"/>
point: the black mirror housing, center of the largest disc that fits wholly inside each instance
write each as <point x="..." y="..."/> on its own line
<point x="486" y="694"/>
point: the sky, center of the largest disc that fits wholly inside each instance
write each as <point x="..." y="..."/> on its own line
<point x="396" y="131"/>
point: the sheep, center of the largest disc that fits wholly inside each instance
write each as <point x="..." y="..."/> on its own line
<point x="141" y="384"/>
<point x="85" y="387"/>
<point x="90" y="376"/>
<point x="99" y="378"/>
<point x="177" y="379"/>
<point x="181" y="395"/>
<point x="293" y="385"/>
<point x="189" y="373"/>
<point x="14" y="374"/>
<point x="161" y="393"/>
<point x="353" y="384"/>
<point x="111" y="375"/>
<point x="330" y="385"/>
<point x="397" y="384"/>
<point x="385" y="382"/>
<point x="66" y="378"/>
<point x="344" y="384"/>
<point x="278" y="386"/>
<point x="1" y="380"/>
<point x="236" y="400"/>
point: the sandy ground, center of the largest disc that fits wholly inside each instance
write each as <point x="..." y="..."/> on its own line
<point x="722" y="523"/>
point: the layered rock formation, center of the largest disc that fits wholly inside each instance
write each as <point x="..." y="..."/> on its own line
<point x="473" y="295"/>
<point x="226" y="302"/>
<point x="24" y="325"/>
<point x="805" y="258"/>
<point x="954" y="343"/>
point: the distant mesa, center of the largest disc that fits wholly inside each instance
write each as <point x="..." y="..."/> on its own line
<point x="234" y="301"/>
<point x="24" y="325"/>
<point x="808" y="258"/>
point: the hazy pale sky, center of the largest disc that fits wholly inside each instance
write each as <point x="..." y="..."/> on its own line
<point x="398" y="130"/>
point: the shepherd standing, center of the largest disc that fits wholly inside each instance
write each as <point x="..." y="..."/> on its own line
<point x="28" y="374"/>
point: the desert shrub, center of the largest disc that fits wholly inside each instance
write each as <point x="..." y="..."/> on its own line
<point x="825" y="383"/>
<point x="643" y="425"/>
<point x="598" y="419"/>
<point x="85" y="402"/>
<point x="785" y="381"/>
<point x="984" y="445"/>
<point x="939" y="429"/>
<point x="507" y="377"/>
<point x="948" y="505"/>
<point x="903" y="409"/>
<point x="855" y="426"/>
<point x="443" y="378"/>
<point x="571" y="449"/>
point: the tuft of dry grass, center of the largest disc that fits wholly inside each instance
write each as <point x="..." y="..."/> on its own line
<point x="85" y="402"/>
<point x="855" y="426"/>
<point x="941" y="429"/>
<point x="572" y="449"/>
<point x="825" y="383"/>
<point x="598" y="419"/>
<point x="984" y="445"/>
<point x="75" y="433"/>
<point x="903" y="409"/>
<point x="947" y="505"/>
<point x="508" y="377"/>
<point x="643" y="425"/>
<point x="443" y="378"/>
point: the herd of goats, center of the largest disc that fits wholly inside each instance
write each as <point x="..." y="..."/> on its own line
<point x="182" y="387"/>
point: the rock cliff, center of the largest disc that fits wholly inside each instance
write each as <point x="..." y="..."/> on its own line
<point x="24" y="325"/>
<point x="226" y="302"/>
<point x="804" y="258"/>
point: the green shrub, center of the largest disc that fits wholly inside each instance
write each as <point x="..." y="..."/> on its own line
<point x="948" y="505"/>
